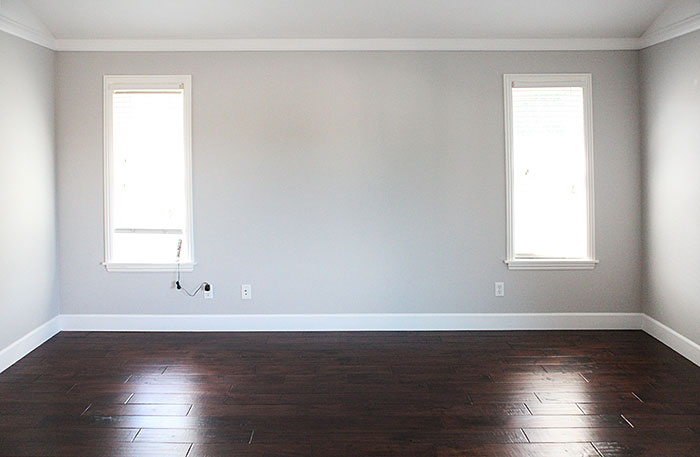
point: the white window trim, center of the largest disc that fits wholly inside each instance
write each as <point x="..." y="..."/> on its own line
<point x="550" y="80"/>
<point x="115" y="82"/>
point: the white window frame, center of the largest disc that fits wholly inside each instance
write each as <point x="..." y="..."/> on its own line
<point x="144" y="82"/>
<point x="550" y="80"/>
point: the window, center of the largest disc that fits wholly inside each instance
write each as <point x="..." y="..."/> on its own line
<point x="147" y="174"/>
<point x="549" y="166"/>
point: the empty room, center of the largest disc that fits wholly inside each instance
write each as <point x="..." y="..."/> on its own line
<point x="370" y="228"/>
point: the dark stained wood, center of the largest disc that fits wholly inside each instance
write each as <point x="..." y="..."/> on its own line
<point x="136" y="410"/>
<point x="554" y="408"/>
<point x="646" y="449"/>
<point x="364" y="394"/>
<point x="32" y="448"/>
<point x="521" y="450"/>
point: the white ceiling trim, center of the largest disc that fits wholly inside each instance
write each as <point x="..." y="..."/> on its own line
<point x="46" y="39"/>
<point x="315" y="44"/>
<point x="670" y="31"/>
<point x="26" y="32"/>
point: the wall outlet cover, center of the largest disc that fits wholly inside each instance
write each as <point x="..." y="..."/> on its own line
<point x="246" y="292"/>
<point x="499" y="289"/>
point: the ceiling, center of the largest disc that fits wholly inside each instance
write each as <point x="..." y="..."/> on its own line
<point x="348" y="19"/>
<point x="240" y="25"/>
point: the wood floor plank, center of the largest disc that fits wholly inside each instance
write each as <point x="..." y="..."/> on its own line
<point x="578" y="421"/>
<point x="657" y="449"/>
<point x="41" y="449"/>
<point x="522" y="450"/>
<point x="97" y="409"/>
<point x="552" y="409"/>
<point x="585" y="397"/>
<point x="632" y="407"/>
<point x="345" y="408"/>
<point x="176" y="399"/>
<point x="81" y="388"/>
<point x="245" y="450"/>
<point x="503" y="397"/>
<point x="213" y="436"/>
<point x="587" y="435"/>
<point x="144" y="422"/>
<point x="68" y="435"/>
<point x="665" y="420"/>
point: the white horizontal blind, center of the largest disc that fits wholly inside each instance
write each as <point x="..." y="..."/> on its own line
<point x="549" y="194"/>
<point x="148" y="184"/>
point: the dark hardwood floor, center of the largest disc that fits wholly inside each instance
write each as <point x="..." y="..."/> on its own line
<point x="440" y="394"/>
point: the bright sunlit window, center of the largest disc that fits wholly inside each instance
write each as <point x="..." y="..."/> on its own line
<point x="148" y="196"/>
<point x="549" y="159"/>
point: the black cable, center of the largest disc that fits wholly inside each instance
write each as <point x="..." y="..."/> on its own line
<point x="179" y="286"/>
<point x="195" y="292"/>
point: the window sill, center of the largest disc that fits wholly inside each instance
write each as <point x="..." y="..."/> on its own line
<point x="147" y="267"/>
<point x="551" y="264"/>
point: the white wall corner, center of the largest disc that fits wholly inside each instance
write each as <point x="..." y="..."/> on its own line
<point x="19" y="20"/>
<point x="29" y="342"/>
<point x="671" y="338"/>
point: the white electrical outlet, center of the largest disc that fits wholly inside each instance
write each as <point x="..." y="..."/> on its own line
<point x="500" y="289"/>
<point x="208" y="291"/>
<point x="246" y="292"/>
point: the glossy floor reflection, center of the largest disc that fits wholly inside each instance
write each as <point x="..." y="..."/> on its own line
<point x="593" y="393"/>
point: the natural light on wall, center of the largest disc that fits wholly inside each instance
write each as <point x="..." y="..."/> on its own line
<point x="549" y="156"/>
<point x="147" y="173"/>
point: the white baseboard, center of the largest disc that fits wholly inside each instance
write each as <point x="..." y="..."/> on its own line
<point x="671" y="338"/>
<point x="349" y="322"/>
<point x="29" y="342"/>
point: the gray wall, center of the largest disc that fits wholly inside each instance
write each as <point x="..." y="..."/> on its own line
<point x="28" y="265"/>
<point x="350" y="182"/>
<point x="671" y="149"/>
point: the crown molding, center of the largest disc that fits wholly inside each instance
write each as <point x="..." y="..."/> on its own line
<point x="669" y="32"/>
<point x="650" y="38"/>
<point x="378" y="44"/>
<point x="26" y="32"/>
